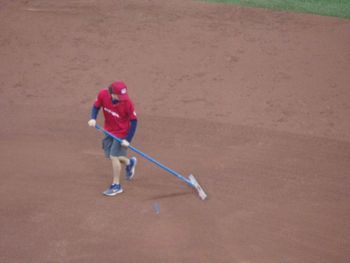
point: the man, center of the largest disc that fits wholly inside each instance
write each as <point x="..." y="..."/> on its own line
<point x="120" y="120"/>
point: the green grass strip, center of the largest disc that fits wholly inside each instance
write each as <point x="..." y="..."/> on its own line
<point x="337" y="8"/>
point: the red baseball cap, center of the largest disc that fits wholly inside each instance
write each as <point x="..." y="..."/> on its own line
<point x="118" y="87"/>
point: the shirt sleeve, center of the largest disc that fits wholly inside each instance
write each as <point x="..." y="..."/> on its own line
<point x="132" y="112"/>
<point x="98" y="101"/>
<point x="132" y="129"/>
<point x="94" y="112"/>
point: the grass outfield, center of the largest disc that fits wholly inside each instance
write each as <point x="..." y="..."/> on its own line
<point x="338" y="8"/>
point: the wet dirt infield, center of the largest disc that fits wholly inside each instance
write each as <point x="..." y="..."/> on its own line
<point x="254" y="103"/>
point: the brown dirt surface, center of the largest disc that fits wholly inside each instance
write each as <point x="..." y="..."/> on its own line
<point x="254" y="103"/>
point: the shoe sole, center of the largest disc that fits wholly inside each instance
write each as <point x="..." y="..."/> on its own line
<point x="132" y="171"/>
<point x="113" y="193"/>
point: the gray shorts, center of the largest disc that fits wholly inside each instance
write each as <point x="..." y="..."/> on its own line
<point x="113" y="148"/>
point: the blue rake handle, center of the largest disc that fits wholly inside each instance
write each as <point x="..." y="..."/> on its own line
<point x="149" y="158"/>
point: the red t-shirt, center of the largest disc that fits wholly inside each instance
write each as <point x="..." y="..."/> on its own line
<point x="117" y="116"/>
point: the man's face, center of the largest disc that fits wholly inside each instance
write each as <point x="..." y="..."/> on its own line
<point x="115" y="96"/>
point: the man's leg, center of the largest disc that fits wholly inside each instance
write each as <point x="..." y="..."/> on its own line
<point x="124" y="160"/>
<point x="116" y="187"/>
<point x="130" y="165"/>
<point x="111" y="150"/>
<point x="116" y="166"/>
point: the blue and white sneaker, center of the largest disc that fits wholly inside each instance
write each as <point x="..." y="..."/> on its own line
<point x="130" y="169"/>
<point x="113" y="190"/>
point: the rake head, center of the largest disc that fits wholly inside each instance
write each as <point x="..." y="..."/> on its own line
<point x="199" y="189"/>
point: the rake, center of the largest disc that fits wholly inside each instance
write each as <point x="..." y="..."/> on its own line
<point x="190" y="181"/>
